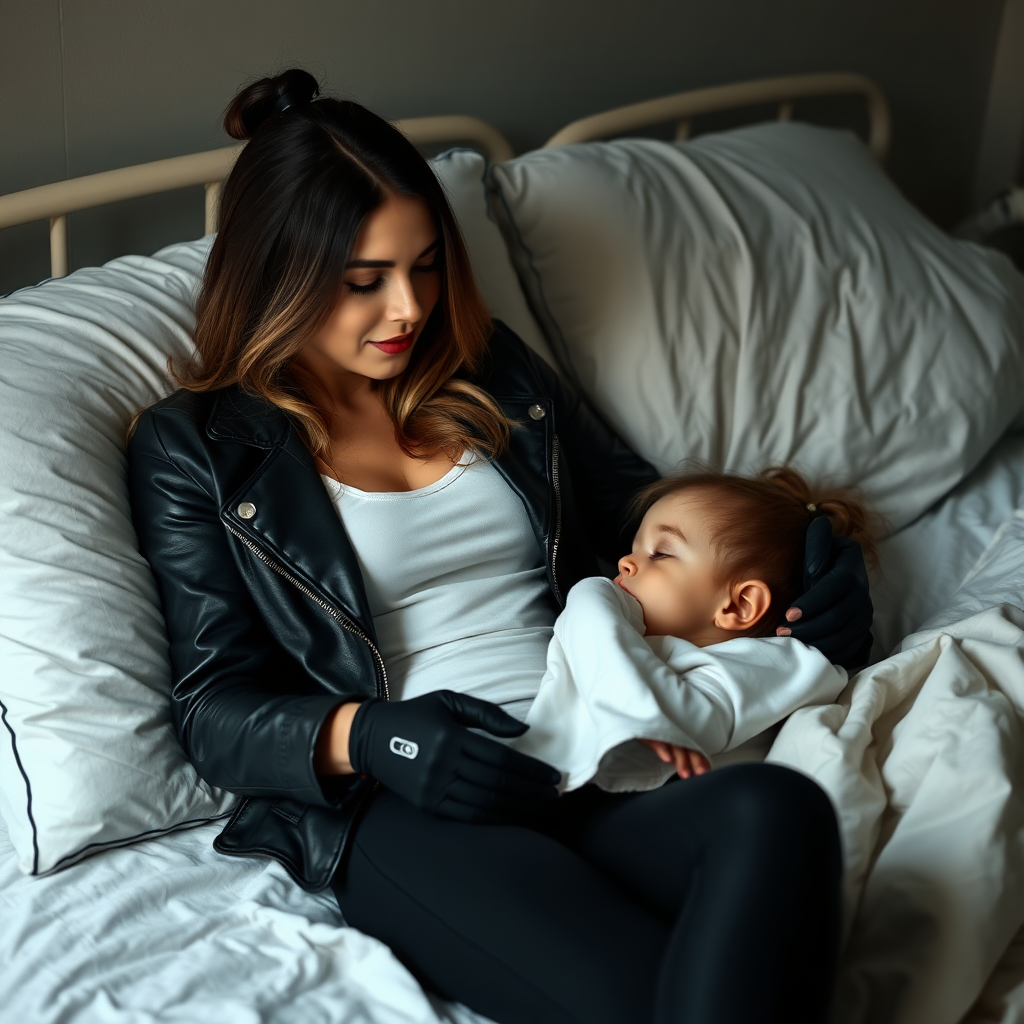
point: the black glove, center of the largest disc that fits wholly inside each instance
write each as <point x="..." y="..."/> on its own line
<point x="836" y="602"/>
<point x="422" y="750"/>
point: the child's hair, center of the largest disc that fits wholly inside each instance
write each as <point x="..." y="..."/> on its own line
<point x="758" y="526"/>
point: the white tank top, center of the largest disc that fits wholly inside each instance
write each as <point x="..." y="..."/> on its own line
<point x="456" y="584"/>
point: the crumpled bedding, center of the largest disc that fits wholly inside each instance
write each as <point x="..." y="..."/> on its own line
<point x="168" y="930"/>
<point x="923" y="756"/>
<point x="920" y="755"/>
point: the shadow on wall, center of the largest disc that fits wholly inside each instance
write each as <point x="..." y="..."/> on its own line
<point x="88" y="88"/>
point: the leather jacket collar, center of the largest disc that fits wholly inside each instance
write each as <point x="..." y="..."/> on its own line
<point x="270" y="512"/>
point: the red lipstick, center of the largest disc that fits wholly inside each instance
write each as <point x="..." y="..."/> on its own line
<point x="394" y="345"/>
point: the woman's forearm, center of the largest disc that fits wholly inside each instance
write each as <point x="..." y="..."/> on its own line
<point x="330" y="756"/>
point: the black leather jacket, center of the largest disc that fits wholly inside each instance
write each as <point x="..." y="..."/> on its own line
<point x="266" y="613"/>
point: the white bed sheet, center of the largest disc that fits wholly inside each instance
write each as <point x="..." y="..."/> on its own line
<point x="922" y="756"/>
<point x="926" y="561"/>
<point x="168" y="930"/>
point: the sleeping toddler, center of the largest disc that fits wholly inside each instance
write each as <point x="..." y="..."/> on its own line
<point x="679" y="651"/>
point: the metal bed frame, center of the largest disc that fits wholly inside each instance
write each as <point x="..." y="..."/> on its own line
<point x="56" y="201"/>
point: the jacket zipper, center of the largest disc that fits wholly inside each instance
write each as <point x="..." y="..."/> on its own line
<point x="335" y="613"/>
<point x="558" y="519"/>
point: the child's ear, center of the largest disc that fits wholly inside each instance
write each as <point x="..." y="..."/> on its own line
<point x="747" y="604"/>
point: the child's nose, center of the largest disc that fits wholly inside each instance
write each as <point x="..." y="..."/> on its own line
<point x="627" y="566"/>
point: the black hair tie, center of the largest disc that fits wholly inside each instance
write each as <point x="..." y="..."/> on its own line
<point x="284" y="102"/>
<point x="296" y="88"/>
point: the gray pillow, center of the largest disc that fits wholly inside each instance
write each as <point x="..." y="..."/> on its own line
<point x="765" y="296"/>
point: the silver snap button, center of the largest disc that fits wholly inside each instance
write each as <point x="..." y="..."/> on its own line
<point x="246" y="510"/>
<point x="536" y="412"/>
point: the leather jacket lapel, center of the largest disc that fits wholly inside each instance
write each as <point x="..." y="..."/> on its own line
<point x="526" y="465"/>
<point x="284" y="509"/>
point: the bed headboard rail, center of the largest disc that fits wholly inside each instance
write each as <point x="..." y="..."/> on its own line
<point x="54" y="202"/>
<point x="682" y="107"/>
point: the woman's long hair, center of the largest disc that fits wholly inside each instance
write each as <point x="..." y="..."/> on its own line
<point x="313" y="170"/>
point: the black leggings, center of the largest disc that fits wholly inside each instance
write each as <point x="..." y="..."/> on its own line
<point x="714" y="899"/>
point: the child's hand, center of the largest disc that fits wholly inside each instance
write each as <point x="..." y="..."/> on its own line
<point x="687" y="762"/>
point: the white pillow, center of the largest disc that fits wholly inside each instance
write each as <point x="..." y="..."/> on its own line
<point x="88" y="755"/>
<point x="765" y="296"/>
<point x="463" y="173"/>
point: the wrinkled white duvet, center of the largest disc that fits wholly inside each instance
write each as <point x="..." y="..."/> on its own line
<point x="923" y="757"/>
<point x="168" y="930"/>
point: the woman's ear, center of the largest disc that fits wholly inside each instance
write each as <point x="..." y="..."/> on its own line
<point x="748" y="603"/>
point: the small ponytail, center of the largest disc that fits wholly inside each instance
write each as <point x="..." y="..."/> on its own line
<point x="255" y="103"/>
<point x="847" y="513"/>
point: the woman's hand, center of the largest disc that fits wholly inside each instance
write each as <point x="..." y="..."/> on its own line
<point x="834" y="613"/>
<point x="423" y="750"/>
<point x="686" y="762"/>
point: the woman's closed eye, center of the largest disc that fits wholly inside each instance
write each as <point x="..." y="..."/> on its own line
<point x="374" y="286"/>
<point x="365" y="289"/>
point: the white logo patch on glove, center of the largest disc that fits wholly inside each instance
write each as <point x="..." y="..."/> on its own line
<point x="403" y="748"/>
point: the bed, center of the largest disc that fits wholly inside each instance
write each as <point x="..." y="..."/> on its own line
<point x="748" y="269"/>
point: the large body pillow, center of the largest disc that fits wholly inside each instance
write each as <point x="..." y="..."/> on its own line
<point x="88" y="752"/>
<point x="88" y="755"/>
<point x="764" y="296"/>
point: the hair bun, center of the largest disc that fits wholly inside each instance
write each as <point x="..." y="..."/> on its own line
<point x="255" y="103"/>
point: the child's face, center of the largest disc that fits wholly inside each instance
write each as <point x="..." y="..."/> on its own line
<point x="671" y="570"/>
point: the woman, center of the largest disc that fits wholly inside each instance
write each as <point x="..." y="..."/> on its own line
<point x="363" y="511"/>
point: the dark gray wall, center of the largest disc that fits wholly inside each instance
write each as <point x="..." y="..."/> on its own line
<point x="87" y="85"/>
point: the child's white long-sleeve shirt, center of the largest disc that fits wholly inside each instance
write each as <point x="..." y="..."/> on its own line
<point x="607" y="685"/>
